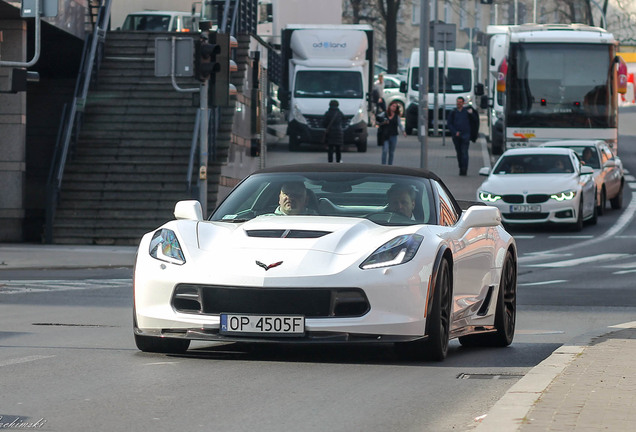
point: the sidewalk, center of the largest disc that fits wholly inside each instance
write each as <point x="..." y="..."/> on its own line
<point x="586" y="385"/>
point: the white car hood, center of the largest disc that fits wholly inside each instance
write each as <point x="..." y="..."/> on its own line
<point x="503" y="184"/>
<point x="231" y="251"/>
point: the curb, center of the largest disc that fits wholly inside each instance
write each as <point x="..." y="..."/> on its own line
<point x="509" y="413"/>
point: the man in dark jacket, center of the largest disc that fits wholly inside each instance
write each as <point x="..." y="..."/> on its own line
<point x="460" y="121"/>
<point x="332" y="122"/>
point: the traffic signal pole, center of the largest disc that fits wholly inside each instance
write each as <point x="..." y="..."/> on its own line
<point x="203" y="149"/>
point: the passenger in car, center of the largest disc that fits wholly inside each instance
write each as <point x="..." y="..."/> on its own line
<point x="401" y="199"/>
<point x="293" y="199"/>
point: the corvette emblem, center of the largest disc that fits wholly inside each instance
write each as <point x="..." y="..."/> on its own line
<point x="267" y="267"/>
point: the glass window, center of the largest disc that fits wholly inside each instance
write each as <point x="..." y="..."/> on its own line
<point x="448" y="214"/>
<point x="560" y="85"/>
<point x="534" y="164"/>
<point x="456" y="81"/>
<point x="382" y="198"/>
<point x="328" y="84"/>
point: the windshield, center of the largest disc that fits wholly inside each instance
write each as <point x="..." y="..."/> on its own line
<point x="328" y="84"/>
<point x="534" y="164"/>
<point x="457" y="80"/>
<point x="146" y="23"/>
<point x="382" y="198"/>
<point x="560" y="85"/>
<point x="588" y="155"/>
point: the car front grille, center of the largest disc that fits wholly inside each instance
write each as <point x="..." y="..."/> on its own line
<point x="310" y="302"/>
<point x="315" y="122"/>
<point x="513" y="199"/>
<point x="537" y="199"/>
<point x="281" y="233"/>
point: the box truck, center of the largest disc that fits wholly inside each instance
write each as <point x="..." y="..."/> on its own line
<point x="456" y="78"/>
<point x="322" y="63"/>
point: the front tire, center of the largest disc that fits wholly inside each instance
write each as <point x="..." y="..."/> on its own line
<point x="438" y="323"/>
<point x="506" y="312"/>
<point x="362" y="146"/>
<point x="617" y="201"/>
<point x="294" y="143"/>
<point x="578" y="225"/>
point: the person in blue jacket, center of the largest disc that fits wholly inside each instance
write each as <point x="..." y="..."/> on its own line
<point x="461" y="123"/>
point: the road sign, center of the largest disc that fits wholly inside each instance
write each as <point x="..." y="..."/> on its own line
<point x="48" y="8"/>
<point x="183" y="58"/>
<point x="443" y="36"/>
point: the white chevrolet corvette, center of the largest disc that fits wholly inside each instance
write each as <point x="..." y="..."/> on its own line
<point x="329" y="253"/>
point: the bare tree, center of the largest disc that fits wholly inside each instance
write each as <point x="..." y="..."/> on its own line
<point x="389" y="11"/>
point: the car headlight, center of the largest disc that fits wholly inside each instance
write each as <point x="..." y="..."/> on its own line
<point x="164" y="246"/>
<point x="488" y="197"/>
<point x="298" y="115"/>
<point x="400" y="250"/>
<point x="360" y="115"/>
<point x="564" y="196"/>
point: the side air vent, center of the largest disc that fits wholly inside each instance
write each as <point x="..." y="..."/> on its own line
<point x="286" y="233"/>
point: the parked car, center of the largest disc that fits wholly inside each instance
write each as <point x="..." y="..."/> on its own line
<point x="537" y="185"/>
<point x="375" y="255"/>
<point x="392" y="91"/>
<point x="159" y="21"/>
<point x="609" y="174"/>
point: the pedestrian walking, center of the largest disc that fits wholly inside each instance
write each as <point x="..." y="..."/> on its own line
<point x="334" y="136"/>
<point x="461" y="122"/>
<point x="393" y="124"/>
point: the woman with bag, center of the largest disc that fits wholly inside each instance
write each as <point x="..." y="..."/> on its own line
<point x="334" y="136"/>
<point x="393" y="126"/>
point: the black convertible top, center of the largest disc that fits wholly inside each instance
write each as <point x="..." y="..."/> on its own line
<point x="357" y="168"/>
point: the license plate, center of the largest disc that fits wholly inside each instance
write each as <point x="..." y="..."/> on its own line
<point x="525" y="208"/>
<point x="262" y="325"/>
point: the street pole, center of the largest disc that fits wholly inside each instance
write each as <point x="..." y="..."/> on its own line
<point x="422" y="123"/>
<point x="203" y="137"/>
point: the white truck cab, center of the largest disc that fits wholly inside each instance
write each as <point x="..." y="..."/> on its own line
<point x="456" y="78"/>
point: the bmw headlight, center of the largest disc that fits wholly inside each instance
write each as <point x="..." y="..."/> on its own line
<point x="164" y="246"/>
<point x="488" y="197"/>
<point x="298" y="115"/>
<point x="564" y="196"/>
<point x="400" y="250"/>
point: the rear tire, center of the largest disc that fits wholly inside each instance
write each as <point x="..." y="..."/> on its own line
<point x="438" y="323"/>
<point x="294" y="143"/>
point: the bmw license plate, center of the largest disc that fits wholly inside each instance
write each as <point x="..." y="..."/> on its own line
<point x="525" y="208"/>
<point x="262" y="325"/>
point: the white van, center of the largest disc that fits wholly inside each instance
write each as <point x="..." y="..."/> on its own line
<point x="456" y="79"/>
<point x="159" y="21"/>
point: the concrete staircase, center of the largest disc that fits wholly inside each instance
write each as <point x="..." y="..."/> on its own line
<point x="130" y="164"/>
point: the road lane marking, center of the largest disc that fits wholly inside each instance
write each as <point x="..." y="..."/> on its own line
<point x="542" y="283"/>
<point x="631" y="185"/>
<point x="579" y="261"/>
<point x="622" y="272"/>
<point x="570" y="237"/>
<point x="24" y="360"/>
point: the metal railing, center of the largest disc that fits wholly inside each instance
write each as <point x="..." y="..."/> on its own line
<point x="71" y="118"/>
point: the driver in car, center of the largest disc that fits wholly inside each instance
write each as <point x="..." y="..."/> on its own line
<point x="292" y="200"/>
<point x="401" y="200"/>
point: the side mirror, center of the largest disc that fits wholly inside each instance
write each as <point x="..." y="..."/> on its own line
<point x="188" y="210"/>
<point x="479" y="89"/>
<point x="403" y="87"/>
<point x="481" y="216"/>
<point x="484" y="102"/>
<point x="484" y="171"/>
<point x="585" y="170"/>
<point x="610" y="164"/>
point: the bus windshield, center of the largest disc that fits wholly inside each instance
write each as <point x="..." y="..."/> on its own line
<point x="561" y="86"/>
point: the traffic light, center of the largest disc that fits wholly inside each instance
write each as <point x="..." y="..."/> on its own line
<point x="221" y="89"/>
<point x="205" y="58"/>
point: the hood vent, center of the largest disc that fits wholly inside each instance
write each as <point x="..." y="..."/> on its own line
<point x="281" y="233"/>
